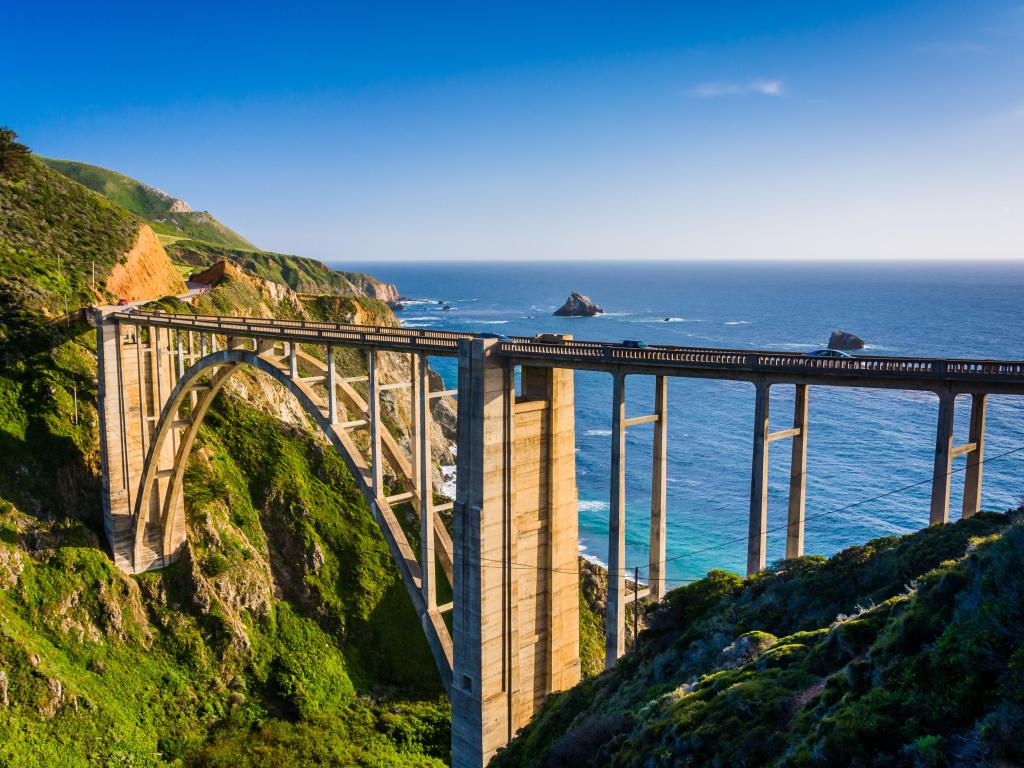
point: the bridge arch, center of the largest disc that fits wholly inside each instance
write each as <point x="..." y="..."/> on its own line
<point x="194" y="381"/>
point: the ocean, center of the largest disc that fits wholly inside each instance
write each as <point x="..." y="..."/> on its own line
<point x="862" y="443"/>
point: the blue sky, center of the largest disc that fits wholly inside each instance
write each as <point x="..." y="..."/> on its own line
<point x="552" y="130"/>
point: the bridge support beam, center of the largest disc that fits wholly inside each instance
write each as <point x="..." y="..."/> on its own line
<point x="423" y="489"/>
<point x="134" y="380"/>
<point x="798" y="477"/>
<point x="943" y="458"/>
<point x="615" y="613"/>
<point x="516" y="614"/>
<point x="659" y="478"/>
<point x="976" y="457"/>
<point x="758" y="528"/>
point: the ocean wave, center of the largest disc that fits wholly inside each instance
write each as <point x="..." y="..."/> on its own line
<point x="598" y="433"/>
<point x="593" y="505"/>
<point x="448" y="486"/>
<point x="490" y="322"/>
<point x="738" y="322"/>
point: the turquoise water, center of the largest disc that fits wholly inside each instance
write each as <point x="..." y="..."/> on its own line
<point x="862" y="442"/>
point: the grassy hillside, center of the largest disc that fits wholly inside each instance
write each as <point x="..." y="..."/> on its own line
<point x="284" y="634"/>
<point x="903" y="652"/>
<point x="157" y="208"/>
<point x="52" y="233"/>
<point x="297" y="272"/>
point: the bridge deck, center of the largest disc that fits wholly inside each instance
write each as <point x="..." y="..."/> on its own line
<point x="962" y="375"/>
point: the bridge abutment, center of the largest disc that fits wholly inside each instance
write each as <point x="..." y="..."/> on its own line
<point x="516" y="622"/>
<point x="136" y="375"/>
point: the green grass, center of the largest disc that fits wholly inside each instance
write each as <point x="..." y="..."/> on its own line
<point x="52" y="233"/>
<point x="149" y="204"/>
<point x="285" y="623"/>
<point x="903" y="652"/>
<point x="297" y="272"/>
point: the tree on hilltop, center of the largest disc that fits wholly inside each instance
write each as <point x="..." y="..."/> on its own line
<point x="14" y="157"/>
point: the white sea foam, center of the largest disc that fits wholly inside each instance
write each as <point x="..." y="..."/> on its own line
<point x="598" y="433"/>
<point x="491" y="322"/>
<point x="738" y="322"/>
<point x="593" y="505"/>
<point x="448" y="486"/>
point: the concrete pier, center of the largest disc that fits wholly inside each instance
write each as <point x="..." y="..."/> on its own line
<point x="516" y="622"/>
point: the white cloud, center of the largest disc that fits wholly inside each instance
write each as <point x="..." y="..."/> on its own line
<point x="714" y="90"/>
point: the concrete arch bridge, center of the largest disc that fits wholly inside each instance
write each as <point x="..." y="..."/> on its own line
<point x="511" y="557"/>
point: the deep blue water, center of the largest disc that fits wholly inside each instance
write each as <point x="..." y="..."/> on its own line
<point x="861" y="442"/>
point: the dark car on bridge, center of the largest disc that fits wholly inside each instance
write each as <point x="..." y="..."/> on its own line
<point x="828" y="353"/>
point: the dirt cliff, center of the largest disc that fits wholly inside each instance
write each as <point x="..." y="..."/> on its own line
<point x="145" y="271"/>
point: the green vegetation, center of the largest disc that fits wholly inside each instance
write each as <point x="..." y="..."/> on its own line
<point x="157" y="208"/>
<point x="14" y="156"/>
<point x="53" y="233"/>
<point x="297" y="272"/>
<point x="903" y="652"/>
<point x="283" y="636"/>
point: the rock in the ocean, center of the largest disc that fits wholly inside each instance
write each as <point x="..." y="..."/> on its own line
<point x="578" y="305"/>
<point x="845" y="340"/>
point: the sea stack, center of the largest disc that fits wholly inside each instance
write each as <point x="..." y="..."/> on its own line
<point x="844" y="340"/>
<point x="578" y="305"/>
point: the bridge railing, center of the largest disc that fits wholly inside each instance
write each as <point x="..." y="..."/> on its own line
<point x="594" y="353"/>
<point x="762" y="361"/>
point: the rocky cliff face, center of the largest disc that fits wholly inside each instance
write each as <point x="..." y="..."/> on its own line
<point x="145" y="271"/>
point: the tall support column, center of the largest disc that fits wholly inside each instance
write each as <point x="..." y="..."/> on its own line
<point x="420" y="371"/>
<point x="757" y="543"/>
<point x="798" y="477"/>
<point x="376" y="461"/>
<point x="656" y="559"/>
<point x="615" y="616"/>
<point x="975" y="459"/>
<point x="293" y="359"/>
<point x="120" y="455"/>
<point x="516" y="590"/>
<point x="943" y="458"/>
<point x="332" y="388"/>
